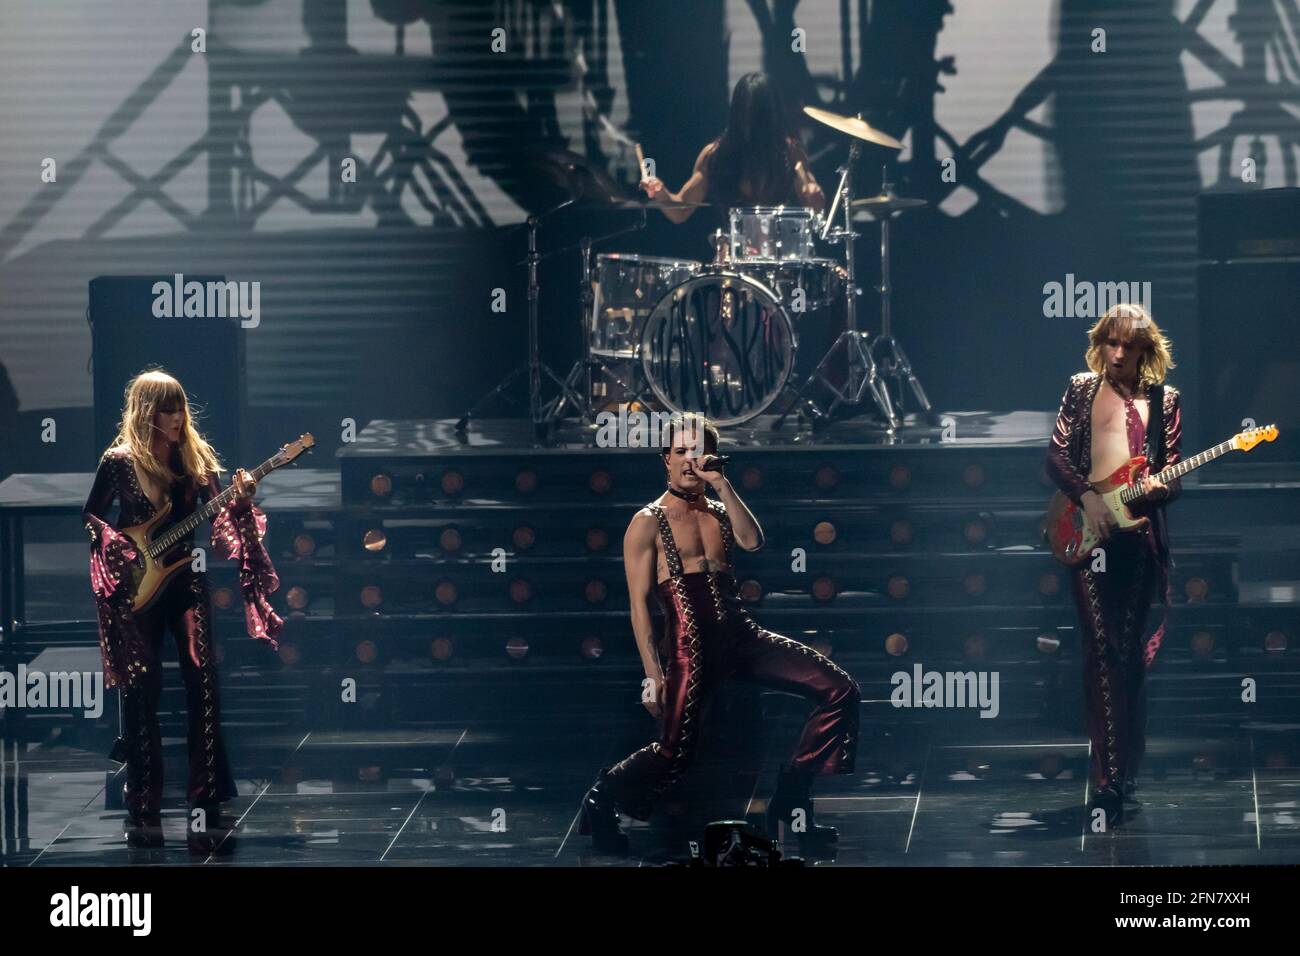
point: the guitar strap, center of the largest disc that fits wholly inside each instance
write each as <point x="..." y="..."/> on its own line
<point x="1155" y="443"/>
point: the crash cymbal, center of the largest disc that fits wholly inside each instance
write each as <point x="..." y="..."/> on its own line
<point x="885" y="204"/>
<point x="854" y="126"/>
<point x="579" y="178"/>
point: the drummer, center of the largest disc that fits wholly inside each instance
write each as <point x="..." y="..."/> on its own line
<point x="755" y="162"/>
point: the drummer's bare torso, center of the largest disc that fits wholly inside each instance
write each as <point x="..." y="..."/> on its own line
<point x="1110" y="447"/>
<point x="697" y="534"/>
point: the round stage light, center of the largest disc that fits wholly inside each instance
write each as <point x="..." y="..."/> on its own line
<point x="600" y="481"/>
<point x="826" y="477"/>
<point x="381" y="486"/>
<point x="1275" y="642"/>
<point x="297" y="597"/>
<point x="442" y="649"/>
<point x="824" y="532"/>
<point x="445" y="593"/>
<point x="592" y="648"/>
<point x="1202" y="643"/>
<point x="597" y="539"/>
<point x="223" y="598"/>
<point x="900" y="476"/>
<point x="823" y="647"/>
<point x="450" y="540"/>
<point x="219" y="651"/>
<point x="374" y="540"/>
<point x="526" y="481"/>
<point x="975" y="584"/>
<point x="976" y="532"/>
<point x="1049" y="584"/>
<point x="595" y="592"/>
<point x="900" y="532"/>
<point x="521" y="592"/>
<point x="976" y="647"/>
<point x="367" y="652"/>
<point x="304" y="545"/>
<point x="973" y="475"/>
<point x="453" y="482"/>
<point x="823" y="588"/>
<point x="523" y="537"/>
<point x="372" y="596"/>
<point x="1051" y="765"/>
<point x="1048" y="642"/>
<point x="288" y="654"/>
<point x="896" y="645"/>
<point x="1196" y="589"/>
<point x="517" y="648"/>
<point x="898" y="587"/>
<point x="750" y="591"/>
<point x="751" y="479"/>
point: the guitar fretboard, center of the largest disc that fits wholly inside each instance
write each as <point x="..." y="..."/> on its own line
<point x="1178" y="469"/>
<point x="177" y="532"/>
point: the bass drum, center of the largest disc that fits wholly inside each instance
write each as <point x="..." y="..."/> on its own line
<point x="720" y="344"/>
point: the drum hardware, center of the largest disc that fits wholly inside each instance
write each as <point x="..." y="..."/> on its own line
<point x="863" y="376"/>
<point x="892" y="361"/>
<point x="534" y="367"/>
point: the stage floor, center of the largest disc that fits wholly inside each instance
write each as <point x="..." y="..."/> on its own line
<point x="487" y="794"/>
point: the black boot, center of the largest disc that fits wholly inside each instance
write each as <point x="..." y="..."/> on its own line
<point x="144" y="831"/>
<point x="794" y="793"/>
<point x="1111" y="800"/>
<point x="599" y="819"/>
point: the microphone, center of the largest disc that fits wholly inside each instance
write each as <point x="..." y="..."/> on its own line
<point x="716" y="462"/>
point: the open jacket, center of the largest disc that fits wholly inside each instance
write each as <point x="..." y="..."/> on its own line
<point x="1069" y="452"/>
<point x="237" y="532"/>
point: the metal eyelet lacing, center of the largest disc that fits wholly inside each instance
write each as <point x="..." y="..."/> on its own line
<point x="1103" y="672"/>
<point x="207" y="689"/>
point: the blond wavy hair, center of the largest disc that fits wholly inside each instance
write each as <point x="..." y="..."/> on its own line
<point x="1129" y="319"/>
<point x="145" y="394"/>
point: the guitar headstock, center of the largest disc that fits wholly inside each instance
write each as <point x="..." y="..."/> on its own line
<point x="293" y="449"/>
<point x="1248" y="439"/>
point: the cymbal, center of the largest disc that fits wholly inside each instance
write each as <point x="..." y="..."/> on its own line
<point x="641" y="204"/>
<point x="884" y="204"/>
<point x="854" y="126"/>
<point x="577" y="176"/>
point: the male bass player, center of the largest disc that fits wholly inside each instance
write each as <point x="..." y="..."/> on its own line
<point x="1119" y="410"/>
<point x="680" y="546"/>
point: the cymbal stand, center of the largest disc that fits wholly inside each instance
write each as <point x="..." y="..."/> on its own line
<point x="535" y="367"/>
<point x="863" y="376"/>
<point x="892" y="360"/>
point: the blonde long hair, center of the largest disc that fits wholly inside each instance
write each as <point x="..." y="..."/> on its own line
<point x="1127" y="319"/>
<point x="149" y="391"/>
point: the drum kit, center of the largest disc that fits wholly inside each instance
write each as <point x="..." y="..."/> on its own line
<point x="721" y="337"/>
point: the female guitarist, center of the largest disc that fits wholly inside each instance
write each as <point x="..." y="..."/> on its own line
<point x="159" y="457"/>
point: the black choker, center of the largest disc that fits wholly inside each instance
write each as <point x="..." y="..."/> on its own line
<point x="684" y="495"/>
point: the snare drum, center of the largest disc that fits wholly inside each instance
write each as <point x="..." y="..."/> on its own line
<point x="773" y="233"/>
<point x="626" y="289"/>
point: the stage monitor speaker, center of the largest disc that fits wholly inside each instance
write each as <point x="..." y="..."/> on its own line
<point x="205" y="354"/>
<point x="1249" y="317"/>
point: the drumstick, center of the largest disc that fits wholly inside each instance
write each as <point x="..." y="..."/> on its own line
<point x="640" y="161"/>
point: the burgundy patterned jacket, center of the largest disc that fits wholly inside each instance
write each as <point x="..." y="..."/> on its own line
<point x="1069" y="452"/>
<point x="237" y="532"/>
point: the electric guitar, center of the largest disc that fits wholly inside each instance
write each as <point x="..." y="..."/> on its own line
<point x="1066" y="528"/>
<point x="157" y="547"/>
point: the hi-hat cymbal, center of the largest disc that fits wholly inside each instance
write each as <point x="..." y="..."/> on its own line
<point x="854" y="126"/>
<point x="885" y="204"/>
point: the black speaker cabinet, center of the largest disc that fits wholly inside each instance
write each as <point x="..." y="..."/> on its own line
<point x="1249" y="316"/>
<point x="206" y="354"/>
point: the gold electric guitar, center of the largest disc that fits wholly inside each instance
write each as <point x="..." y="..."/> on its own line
<point x="1066" y="528"/>
<point x="159" y="554"/>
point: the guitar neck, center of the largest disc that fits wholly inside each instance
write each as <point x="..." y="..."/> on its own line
<point x="1180" y="468"/>
<point x="178" y="531"/>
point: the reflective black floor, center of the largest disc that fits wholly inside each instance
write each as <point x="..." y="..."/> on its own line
<point x="484" y="794"/>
